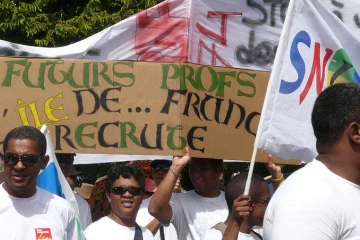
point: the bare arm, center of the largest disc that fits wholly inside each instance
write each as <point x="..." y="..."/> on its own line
<point x="153" y="226"/>
<point x="238" y="218"/>
<point x="232" y="230"/>
<point x="159" y="206"/>
<point x="178" y="188"/>
<point x="277" y="176"/>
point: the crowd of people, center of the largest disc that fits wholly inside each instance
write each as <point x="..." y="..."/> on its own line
<point x="318" y="201"/>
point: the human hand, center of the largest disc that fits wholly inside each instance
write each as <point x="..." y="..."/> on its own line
<point x="180" y="162"/>
<point x="178" y="188"/>
<point x="242" y="208"/>
<point x="274" y="170"/>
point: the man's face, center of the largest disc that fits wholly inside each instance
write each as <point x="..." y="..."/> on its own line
<point x="65" y="161"/>
<point x="159" y="172"/>
<point x="260" y="205"/>
<point x="21" y="176"/>
<point x="125" y="204"/>
<point x="204" y="176"/>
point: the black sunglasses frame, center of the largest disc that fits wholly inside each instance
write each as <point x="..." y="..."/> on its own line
<point x="27" y="159"/>
<point x="135" y="191"/>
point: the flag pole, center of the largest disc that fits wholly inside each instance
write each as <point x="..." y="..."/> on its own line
<point x="276" y="68"/>
<point x="251" y="170"/>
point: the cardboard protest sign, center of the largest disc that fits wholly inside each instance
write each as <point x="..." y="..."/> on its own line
<point x="240" y="34"/>
<point x="123" y="107"/>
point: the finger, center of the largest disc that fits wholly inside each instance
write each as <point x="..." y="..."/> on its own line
<point x="242" y="214"/>
<point x="242" y="204"/>
<point x="243" y="209"/>
<point x="187" y="150"/>
<point x="270" y="162"/>
<point x="242" y="198"/>
<point x="183" y="159"/>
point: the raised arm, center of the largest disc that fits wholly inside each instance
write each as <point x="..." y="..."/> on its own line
<point x="153" y="226"/>
<point x="159" y="206"/>
<point x="277" y="176"/>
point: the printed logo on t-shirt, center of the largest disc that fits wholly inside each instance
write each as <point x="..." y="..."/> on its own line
<point x="43" y="234"/>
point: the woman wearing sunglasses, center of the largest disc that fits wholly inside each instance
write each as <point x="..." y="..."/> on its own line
<point x="125" y="187"/>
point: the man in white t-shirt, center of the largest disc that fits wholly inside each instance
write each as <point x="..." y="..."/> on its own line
<point x="192" y="212"/>
<point x="66" y="161"/>
<point x="321" y="200"/>
<point x="125" y="185"/>
<point x="245" y="212"/>
<point x="26" y="211"/>
<point x="159" y="169"/>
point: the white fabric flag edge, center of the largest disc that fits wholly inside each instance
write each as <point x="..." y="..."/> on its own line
<point x="69" y="194"/>
<point x="276" y="68"/>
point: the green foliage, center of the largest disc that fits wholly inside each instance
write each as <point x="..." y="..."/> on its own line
<point x="62" y="22"/>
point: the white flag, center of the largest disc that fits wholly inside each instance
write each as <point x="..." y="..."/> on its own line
<point x="316" y="50"/>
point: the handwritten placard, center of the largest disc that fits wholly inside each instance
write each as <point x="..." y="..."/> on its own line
<point x="125" y="107"/>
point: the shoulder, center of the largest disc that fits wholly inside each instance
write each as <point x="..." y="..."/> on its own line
<point x="184" y="194"/>
<point x="79" y="198"/>
<point x="48" y="196"/>
<point x="54" y="201"/>
<point x="307" y="182"/>
<point x="3" y="193"/>
<point x="191" y="198"/>
<point x="185" y="199"/>
<point x="314" y="181"/>
<point x="97" y="226"/>
<point x="305" y="190"/>
<point x="181" y="197"/>
<point x="81" y="202"/>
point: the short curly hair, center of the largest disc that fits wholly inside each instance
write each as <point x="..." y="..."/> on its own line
<point x="125" y="171"/>
<point x="26" y="132"/>
<point x="334" y="109"/>
<point x="236" y="187"/>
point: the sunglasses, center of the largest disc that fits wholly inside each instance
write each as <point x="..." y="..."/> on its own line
<point x="161" y="169"/>
<point x="26" y="160"/>
<point x="135" y="191"/>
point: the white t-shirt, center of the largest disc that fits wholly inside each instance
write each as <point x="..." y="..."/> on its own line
<point x="314" y="203"/>
<point x="214" y="234"/>
<point x="143" y="218"/>
<point x="43" y="214"/>
<point x="106" y="228"/>
<point x="193" y="215"/>
<point x="84" y="210"/>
